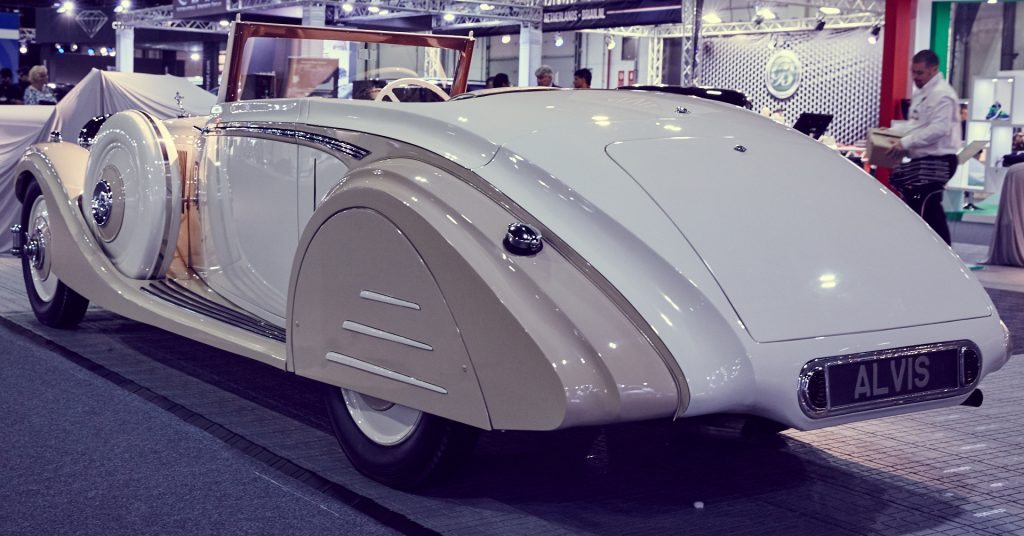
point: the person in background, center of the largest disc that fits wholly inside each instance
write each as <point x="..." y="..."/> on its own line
<point x="10" y="93"/>
<point x="490" y="82"/>
<point x="581" y="79"/>
<point x="964" y="116"/>
<point x="501" y="80"/>
<point x="22" y="80"/>
<point x="545" y="76"/>
<point x="38" y="92"/>
<point x="931" y="138"/>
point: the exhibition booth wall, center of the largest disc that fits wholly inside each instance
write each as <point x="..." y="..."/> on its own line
<point x="836" y="72"/>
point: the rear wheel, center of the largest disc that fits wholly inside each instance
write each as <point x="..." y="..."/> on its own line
<point x="53" y="303"/>
<point x="399" y="446"/>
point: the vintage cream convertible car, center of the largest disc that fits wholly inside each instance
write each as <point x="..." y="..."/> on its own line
<point x="524" y="259"/>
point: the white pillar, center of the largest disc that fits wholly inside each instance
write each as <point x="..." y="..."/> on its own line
<point x="313" y="15"/>
<point x="125" y="59"/>
<point x="923" y="27"/>
<point x="529" y="54"/>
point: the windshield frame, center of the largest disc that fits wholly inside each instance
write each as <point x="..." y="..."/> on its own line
<point x="243" y="31"/>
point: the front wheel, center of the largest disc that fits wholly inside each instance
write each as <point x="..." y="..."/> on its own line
<point x="396" y="445"/>
<point x="53" y="303"/>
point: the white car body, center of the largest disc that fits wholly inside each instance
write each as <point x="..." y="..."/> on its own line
<point x="697" y="259"/>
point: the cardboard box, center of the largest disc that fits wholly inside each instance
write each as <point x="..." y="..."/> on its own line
<point x="880" y="141"/>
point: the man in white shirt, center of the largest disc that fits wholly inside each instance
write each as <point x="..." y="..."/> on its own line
<point x="931" y="138"/>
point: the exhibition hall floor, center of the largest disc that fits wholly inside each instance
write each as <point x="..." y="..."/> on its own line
<point x="120" y="428"/>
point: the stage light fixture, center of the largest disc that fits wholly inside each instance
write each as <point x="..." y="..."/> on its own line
<point x="506" y="39"/>
<point x="347" y="7"/>
<point x="820" y="25"/>
<point x="829" y="10"/>
<point x="873" y="34"/>
<point x="610" y="42"/>
<point x="67" y="7"/>
<point x="486" y="7"/>
<point x="373" y="9"/>
<point x="449" y="17"/>
<point x="558" y="39"/>
<point x="224" y="23"/>
<point x="765" y="13"/>
<point x="74" y="47"/>
<point x="23" y="49"/>
<point x="711" y="18"/>
<point x="194" y="56"/>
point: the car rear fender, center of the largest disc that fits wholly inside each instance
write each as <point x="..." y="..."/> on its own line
<point x="484" y="337"/>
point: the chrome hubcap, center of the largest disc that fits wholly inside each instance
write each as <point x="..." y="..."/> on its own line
<point x="44" y="282"/>
<point x="383" y="422"/>
<point x="102" y="203"/>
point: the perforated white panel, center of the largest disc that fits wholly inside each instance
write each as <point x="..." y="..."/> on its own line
<point x="842" y="75"/>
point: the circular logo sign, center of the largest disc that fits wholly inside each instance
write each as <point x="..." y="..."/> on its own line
<point x="782" y="74"/>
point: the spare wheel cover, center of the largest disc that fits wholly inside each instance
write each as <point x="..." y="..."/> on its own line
<point x="132" y="194"/>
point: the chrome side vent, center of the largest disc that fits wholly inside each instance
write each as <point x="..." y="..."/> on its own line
<point x="817" y="390"/>
<point x="971" y="364"/>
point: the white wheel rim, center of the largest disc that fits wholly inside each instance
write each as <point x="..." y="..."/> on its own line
<point x="382" y="422"/>
<point x="43" y="279"/>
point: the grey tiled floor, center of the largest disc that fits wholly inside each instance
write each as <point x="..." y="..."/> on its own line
<point x="953" y="471"/>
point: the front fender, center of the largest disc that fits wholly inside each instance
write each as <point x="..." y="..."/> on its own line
<point x="528" y="342"/>
<point x="59" y="163"/>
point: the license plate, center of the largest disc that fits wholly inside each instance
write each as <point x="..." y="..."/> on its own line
<point x="871" y="380"/>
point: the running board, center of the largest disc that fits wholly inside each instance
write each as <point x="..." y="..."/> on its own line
<point x="176" y="294"/>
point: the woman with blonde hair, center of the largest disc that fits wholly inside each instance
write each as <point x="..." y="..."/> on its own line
<point x="38" y="92"/>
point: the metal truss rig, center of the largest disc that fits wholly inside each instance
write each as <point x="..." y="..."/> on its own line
<point x="449" y="14"/>
<point x="857" y="20"/>
<point x="162" y="17"/>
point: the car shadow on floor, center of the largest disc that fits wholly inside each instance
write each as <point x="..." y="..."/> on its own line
<point x="642" y="477"/>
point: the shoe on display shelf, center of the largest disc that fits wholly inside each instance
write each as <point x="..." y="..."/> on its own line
<point x="993" y="110"/>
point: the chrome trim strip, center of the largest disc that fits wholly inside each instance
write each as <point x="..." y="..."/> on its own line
<point x="381" y="334"/>
<point x="359" y="364"/>
<point x="825" y="362"/>
<point x="390" y="300"/>
<point x="186" y="299"/>
<point x="167" y="184"/>
<point x="330" y="143"/>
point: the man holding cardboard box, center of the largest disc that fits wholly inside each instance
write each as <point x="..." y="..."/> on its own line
<point x="931" y="138"/>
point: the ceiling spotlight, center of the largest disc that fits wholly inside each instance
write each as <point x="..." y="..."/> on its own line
<point x="74" y="47"/>
<point x="66" y="7"/>
<point x="23" y="49"/>
<point x="558" y="39"/>
<point x="118" y="9"/>
<point x="506" y="39"/>
<point x="194" y="56"/>
<point x="91" y="52"/>
<point x="820" y="25"/>
<point x="113" y="52"/>
<point x="125" y="5"/>
<point x="486" y="7"/>
<point x="993" y="1"/>
<point x="57" y="45"/>
<point x="873" y="35"/>
<point x="449" y="17"/>
<point x="711" y="18"/>
<point x="757" y="20"/>
<point x="103" y="51"/>
<point x="373" y="9"/>
<point x="347" y="7"/>
<point x="610" y="42"/>
<point x="829" y="10"/>
<point x="765" y="13"/>
<point x="224" y="23"/>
